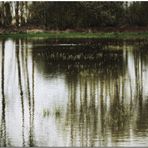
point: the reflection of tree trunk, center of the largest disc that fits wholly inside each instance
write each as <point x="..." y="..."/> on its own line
<point x="85" y="105"/>
<point x="21" y="89"/>
<point x="84" y="117"/>
<point x="102" y="107"/>
<point x="139" y="84"/>
<point x="73" y="110"/>
<point x="33" y="103"/>
<point x="93" y="112"/>
<point x="81" y="113"/>
<point x="29" y="100"/>
<point x="131" y="99"/>
<point x="3" y="130"/>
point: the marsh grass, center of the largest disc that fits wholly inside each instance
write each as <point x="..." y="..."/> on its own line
<point x="57" y="112"/>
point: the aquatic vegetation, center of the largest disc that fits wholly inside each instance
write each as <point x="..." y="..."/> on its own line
<point x="46" y="113"/>
<point x="57" y="112"/>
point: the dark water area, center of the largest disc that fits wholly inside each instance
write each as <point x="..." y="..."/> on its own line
<point x="70" y="94"/>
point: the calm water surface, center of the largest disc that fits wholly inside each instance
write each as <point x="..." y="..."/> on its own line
<point x="72" y="95"/>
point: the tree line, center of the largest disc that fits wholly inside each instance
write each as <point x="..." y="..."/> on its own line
<point x="73" y="15"/>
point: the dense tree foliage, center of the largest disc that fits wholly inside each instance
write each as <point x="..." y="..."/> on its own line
<point x="73" y="15"/>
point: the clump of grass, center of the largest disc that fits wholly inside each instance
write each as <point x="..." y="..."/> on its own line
<point x="46" y="113"/>
<point x="58" y="112"/>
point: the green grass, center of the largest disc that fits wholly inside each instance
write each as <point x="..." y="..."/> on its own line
<point x="79" y="35"/>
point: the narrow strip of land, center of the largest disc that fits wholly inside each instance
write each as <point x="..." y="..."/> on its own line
<point x="79" y="35"/>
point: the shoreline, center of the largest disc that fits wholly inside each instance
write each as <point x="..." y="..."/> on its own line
<point x="135" y="34"/>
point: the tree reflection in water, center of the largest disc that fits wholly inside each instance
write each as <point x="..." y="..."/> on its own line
<point x="61" y="95"/>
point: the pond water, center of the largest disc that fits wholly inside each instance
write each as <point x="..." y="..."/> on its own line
<point x="68" y="94"/>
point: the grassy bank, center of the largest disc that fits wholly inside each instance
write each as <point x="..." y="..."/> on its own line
<point x="79" y="35"/>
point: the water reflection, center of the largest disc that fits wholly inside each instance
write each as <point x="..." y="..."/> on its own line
<point x="73" y="95"/>
<point x="3" y="118"/>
